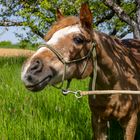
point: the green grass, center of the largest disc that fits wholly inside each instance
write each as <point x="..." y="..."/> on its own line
<point x="46" y="115"/>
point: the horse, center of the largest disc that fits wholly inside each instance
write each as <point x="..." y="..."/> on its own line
<point x="68" y="54"/>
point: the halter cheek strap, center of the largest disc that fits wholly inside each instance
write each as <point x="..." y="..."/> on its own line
<point x="94" y="54"/>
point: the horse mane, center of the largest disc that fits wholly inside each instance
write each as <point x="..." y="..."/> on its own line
<point x="134" y="47"/>
<point x="131" y="45"/>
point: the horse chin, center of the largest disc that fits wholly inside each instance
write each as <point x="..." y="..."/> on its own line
<point x="40" y="85"/>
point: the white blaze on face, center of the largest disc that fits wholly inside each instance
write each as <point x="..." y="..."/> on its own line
<point x="54" y="39"/>
<point x="62" y="33"/>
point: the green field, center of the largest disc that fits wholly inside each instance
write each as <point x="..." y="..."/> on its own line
<point x="46" y="115"/>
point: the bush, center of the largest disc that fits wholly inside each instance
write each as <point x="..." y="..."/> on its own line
<point x="5" y="43"/>
<point x="23" y="44"/>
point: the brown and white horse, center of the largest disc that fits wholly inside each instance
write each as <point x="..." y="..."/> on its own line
<point x="118" y="68"/>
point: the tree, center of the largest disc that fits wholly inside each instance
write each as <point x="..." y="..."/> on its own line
<point x="133" y="22"/>
<point x="39" y="14"/>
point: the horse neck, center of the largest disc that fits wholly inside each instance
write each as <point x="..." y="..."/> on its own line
<point x="107" y="49"/>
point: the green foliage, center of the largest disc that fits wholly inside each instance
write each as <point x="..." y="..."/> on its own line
<point x="27" y="44"/>
<point x="23" y="44"/>
<point x="7" y="44"/>
<point x="39" y="15"/>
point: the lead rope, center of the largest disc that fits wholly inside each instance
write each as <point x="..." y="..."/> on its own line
<point x="94" y="69"/>
<point x="94" y="77"/>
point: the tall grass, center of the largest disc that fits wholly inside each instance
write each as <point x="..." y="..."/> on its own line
<point x="47" y="115"/>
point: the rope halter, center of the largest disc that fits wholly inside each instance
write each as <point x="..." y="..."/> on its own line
<point x="91" y="52"/>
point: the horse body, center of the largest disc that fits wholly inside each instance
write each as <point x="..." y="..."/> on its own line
<point x="118" y="69"/>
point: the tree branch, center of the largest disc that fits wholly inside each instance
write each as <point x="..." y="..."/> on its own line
<point x="36" y="31"/>
<point x="10" y="23"/>
<point x="120" y="12"/>
<point x="13" y="23"/>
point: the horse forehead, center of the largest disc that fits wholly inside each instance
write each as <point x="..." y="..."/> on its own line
<point x="62" y="33"/>
<point x="56" y="36"/>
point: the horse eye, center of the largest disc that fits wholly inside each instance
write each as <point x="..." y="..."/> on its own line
<point x="78" y="40"/>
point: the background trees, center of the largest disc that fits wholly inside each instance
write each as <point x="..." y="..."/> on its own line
<point x="130" y="15"/>
<point x="116" y="17"/>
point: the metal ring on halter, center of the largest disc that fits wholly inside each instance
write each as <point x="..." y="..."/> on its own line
<point x="76" y="93"/>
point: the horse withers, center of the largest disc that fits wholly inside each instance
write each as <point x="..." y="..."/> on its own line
<point x="68" y="54"/>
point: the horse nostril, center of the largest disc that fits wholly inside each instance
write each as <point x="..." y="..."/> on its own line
<point x="29" y="78"/>
<point x="36" y="66"/>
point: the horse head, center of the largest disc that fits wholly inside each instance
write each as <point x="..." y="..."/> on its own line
<point x="66" y="53"/>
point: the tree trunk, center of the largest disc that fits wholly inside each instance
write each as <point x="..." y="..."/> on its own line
<point x="136" y="32"/>
<point x="134" y="23"/>
<point x="137" y="26"/>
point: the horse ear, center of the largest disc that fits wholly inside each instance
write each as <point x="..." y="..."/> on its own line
<point x="86" y="16"/>
<point x="59" y="15"/>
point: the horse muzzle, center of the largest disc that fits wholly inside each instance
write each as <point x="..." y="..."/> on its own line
<point x="35" y="76"/>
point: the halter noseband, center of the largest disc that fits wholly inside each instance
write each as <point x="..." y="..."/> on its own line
<point x="92" y="52"/>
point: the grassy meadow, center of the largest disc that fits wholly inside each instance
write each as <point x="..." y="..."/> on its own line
<point x="46" y="115"/>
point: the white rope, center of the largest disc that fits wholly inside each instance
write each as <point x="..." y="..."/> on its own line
<point x="105" y="92"/>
